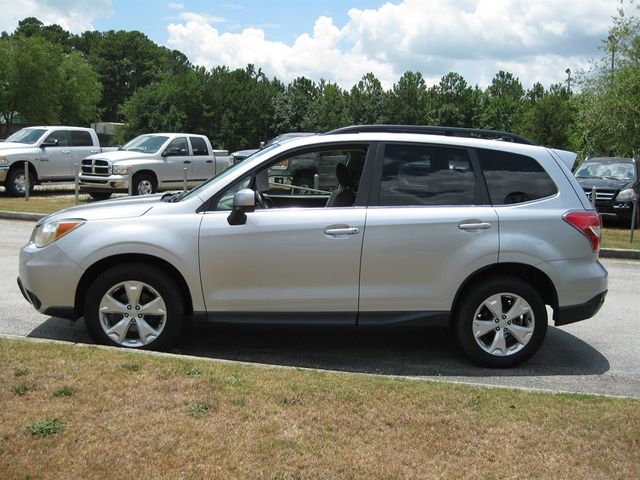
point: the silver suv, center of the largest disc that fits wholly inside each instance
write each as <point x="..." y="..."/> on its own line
<point x="421" y="226"/>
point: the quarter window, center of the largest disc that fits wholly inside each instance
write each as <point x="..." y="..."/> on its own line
<point x="513" y="178"/>
<point x="426" y="175"/>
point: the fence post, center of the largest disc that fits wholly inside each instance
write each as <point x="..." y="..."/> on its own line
<point x="634" y="212"/>
<point x="184" y="178"/>
<point x="593" y="197"/>
<point x="26" y="181"/>
<point x="77" y="175"/>
<point x="130" y="172"/>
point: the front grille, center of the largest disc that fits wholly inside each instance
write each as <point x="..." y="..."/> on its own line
<point x="601" y="195"/>
<point x="96" y="167"/>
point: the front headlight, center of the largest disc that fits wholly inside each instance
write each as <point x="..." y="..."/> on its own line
<point x="48" y="232"/>
<point x="3" y="160"/>
<point x="121" y="169"/>
<point x="627" y="195"/>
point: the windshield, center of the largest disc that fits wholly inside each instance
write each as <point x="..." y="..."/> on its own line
<point x="26" y="135"/>
<point x="145" y="144"/>
<point x="622" y="171"/>
<point x="225" y="173"/>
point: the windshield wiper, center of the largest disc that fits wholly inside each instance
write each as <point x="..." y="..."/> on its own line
<point x="173" y="196"/>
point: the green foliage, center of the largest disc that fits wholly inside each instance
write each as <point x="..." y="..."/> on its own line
<point x="44" y="428"/>
<point x="608" y="109"/>
<point x="502" y="103"/>
<point x="365" y="101"/>
<point x="408" y="100"/>
<point x="65" y="391"/>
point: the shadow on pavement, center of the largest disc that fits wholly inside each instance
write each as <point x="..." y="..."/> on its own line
<point x="386" y="351"/>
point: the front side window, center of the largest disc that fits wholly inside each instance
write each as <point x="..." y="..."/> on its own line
<point x="60" y="136"/>
<point x="177" y="148"/>
<point x="426" y="175"/>
<point x="513" y="178"/>
<point x="327" y="177"/>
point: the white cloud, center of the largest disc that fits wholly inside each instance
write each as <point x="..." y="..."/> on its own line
<point x="76" y="16"/>
<point x="536" y="41"/>
<point x="176" y="6"/>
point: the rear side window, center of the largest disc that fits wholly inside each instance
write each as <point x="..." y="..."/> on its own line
<point x="426" y="175"/>
<point x="81" y="139"/>
<point x="513" y="178"/>
<point x="198" y="146"/>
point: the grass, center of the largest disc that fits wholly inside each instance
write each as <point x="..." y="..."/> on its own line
<point x="291" y="423"/>
<point x="619" y="238"/>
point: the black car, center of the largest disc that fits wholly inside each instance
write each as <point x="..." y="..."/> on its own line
<point x="616" y="185"/>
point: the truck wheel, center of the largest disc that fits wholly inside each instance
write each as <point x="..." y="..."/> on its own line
<point x="144" y="184"/>
<point x="501" y="322"/>
<point x="134" y="306"/>
<point x="16" y="182"/>
<point x="100" y="195"/>
<point x="304" y="182"/>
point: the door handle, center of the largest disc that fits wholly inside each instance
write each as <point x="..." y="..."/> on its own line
<point x="209" y="161"/>
<point x="474" y="225"/>
<point x="65" y="151"/>
<point x="94" y="151"/>
<point x="187" y="161"/>
<point x="341" y="231"/>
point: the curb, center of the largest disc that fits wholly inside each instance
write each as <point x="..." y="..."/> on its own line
<point x="622" y="253"/>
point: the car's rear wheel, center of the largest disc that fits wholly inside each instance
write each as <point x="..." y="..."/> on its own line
<point x="501" y="322"/>
<point x="134" y="306"/>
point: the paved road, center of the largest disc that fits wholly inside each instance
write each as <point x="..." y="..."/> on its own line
<point x="600" y="355"/>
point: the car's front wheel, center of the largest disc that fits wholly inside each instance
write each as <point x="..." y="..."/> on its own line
<point x="134" y="306"/>
<point x="501" y="322"/>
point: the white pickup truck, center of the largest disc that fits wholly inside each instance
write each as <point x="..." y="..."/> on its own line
<point x="156" y="162"/>
<point x="50" y="152"/>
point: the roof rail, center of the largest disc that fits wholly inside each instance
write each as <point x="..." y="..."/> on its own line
<point x="435" y="130"/>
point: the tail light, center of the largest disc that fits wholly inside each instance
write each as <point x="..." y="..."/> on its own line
<point x="589" y="223"/>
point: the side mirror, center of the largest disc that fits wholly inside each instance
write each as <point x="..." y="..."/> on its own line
<point x="49" y="142"/>
<point x="244" y="201"/>
<point x="170" y="152"/>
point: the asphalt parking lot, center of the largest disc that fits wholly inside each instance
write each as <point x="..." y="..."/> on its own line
<point x="600" y="355"/>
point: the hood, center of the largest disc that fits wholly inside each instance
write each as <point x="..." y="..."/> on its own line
<point x="127" y="207"/>
<point x="601" y="183"/>
<point x="121" y="155"/>
<point x="13" y="147"/>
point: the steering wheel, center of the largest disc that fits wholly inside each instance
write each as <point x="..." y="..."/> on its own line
<point x="260" y="200"/>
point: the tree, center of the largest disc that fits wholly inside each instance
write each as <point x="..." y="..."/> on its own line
<point x="81" y="91"/>
<point x="30" y="82"/>
<point x="293" y="107"/>
<point x="365" y="101"/>
<point x="454" y="102"/>
<point x="547" y="116"/>
<point x="408" y="100"/>
<point x="608" y="109"/>
<point x="502" y="103"/>
<point x="330" y="108"/>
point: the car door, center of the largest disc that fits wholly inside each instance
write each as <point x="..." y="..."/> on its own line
<point x="176" y="159"/>
<point x="56" y="162"/>
<point x="203" y="163"/>
<point x="290" y="264"/>
<point x="430" y="225"/>
<point x="82" y="145"/>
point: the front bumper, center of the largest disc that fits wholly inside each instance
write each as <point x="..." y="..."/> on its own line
<point x="4" y="171"/>
<point x="48" y="280"/>
<point x="112" y="183"/>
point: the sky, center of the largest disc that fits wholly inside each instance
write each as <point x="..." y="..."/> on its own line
<point x="341" y="40"/>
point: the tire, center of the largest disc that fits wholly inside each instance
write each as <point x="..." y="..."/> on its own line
<point x="304" y="182"/>
<point x="15" y="182"/>
<point x="492" y="334"/>
<point x="144" y="184"/>
<point x="100" y="195"/>
<point x="111" y="308"/>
